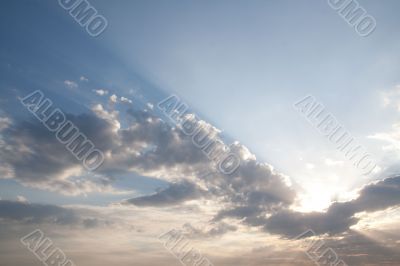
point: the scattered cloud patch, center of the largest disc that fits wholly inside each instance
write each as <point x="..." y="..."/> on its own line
<point x="150" y="105"/>
<point x="5" y="122"/>
<point x="113" y="98"/>
<point x="70" y="84"/>
<point x="125" y="100"/>
<point x="21" y="199"/>
<point x="391" y="98"/>
<point x="101" y="92"/>
<point x="391" y="137"/>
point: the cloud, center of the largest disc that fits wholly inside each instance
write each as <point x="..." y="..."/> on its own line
<point x="83" y="78"/>
<point x="34" y="157"/>
<point x="101" y="92"/>
<point x="146" y="146"/>
<point x="255" y="194"/>
<point x="208" y="231"/>
<point x="70" y="84"/>
<point x="23" y="212"/>
<point x="37" y="213"/>
<point x="340" y="216"/>
<point x="174" y="194"/>
<point x="392" y="138"/>
<point x="21" y="199"/>
<point x="125" y="100"/>
<point x="111" y="117"/>
<point x="255" y="191"/>
<point x="150" y="105"/>
<point x="5" y="122"/>
<point x="113" y="98"/>
<point x="391" y="98"/>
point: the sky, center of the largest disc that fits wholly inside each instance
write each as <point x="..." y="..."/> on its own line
<point x="248" y="75"/>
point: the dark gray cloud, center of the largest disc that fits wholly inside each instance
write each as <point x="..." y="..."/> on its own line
<point x="213" y="230"/>
<point x="340" y="215"/>
<point x="378" y="196"/>
<point x="174" y="194"/>
<point x="253" y="192"/>
<point x="147" y="146"/>
<point x="32" y="155"/>
<point x="250" y="193"/>
<point x="150" y="144"/>
<point x="37" y="213"/>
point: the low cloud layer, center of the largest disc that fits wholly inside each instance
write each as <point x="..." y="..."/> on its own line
<point x="139" y="142"/>
<point x="175" y="194"/>
<point x="340" y="216"/>
<point x="41" y="214"/>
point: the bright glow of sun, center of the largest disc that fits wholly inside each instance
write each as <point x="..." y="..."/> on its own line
<point x="316" y="197"/>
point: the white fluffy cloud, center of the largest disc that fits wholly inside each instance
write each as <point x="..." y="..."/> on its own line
<point x="70" y="84"/>
<point x="150" y="105"/>
<point x="113" y="98"/>
<point x="101" y="92"/>
<point x="125" y="100"/>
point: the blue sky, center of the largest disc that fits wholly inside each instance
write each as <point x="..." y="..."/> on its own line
<point x="240" y="66"/>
